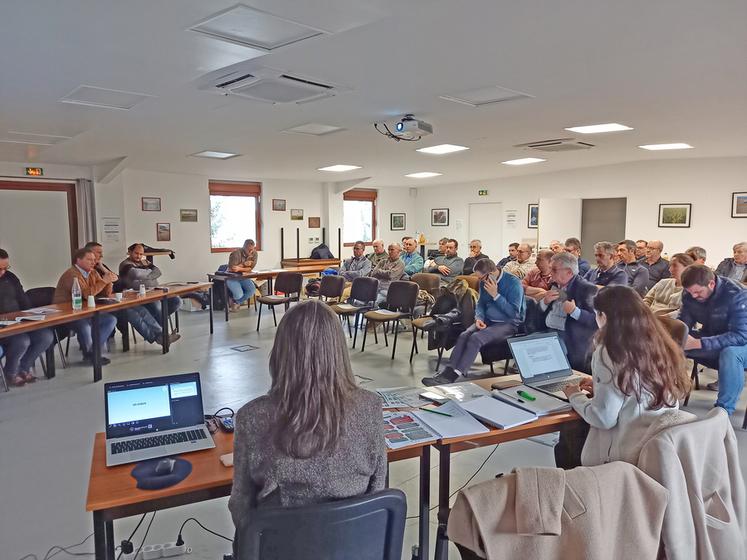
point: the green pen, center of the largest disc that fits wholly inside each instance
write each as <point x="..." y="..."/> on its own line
<point x="436" y="412"/>
<point x="526" y="395"/>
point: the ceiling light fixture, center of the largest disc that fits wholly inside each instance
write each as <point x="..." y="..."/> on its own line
<point x="523" y="161"/>
<point x="423" y="175"/>
<point x="214" y="154"/>
<point x="339" y="168"/>
<point x="442" y="149"/>
<point x="599" y="128"/>
<point x="314" y="129"/>
<point x="672" y="146"/>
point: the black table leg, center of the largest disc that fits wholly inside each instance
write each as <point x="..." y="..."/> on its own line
<point x="99" y="536"/>
<point x="211" y="299"/>
<point x="164" y="326"/>
<point x="50" y="373"/>
<point x="225" y="297"/>
<point x="425" y="503"/>
<point x="444" y="474"/>
<point x="109" y="530"/>
<point x="96" y="347"/>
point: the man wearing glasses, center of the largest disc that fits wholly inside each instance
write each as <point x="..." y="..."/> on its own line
<point x="523" y="264"/>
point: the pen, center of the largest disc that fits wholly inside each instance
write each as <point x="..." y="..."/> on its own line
<point x="526" y="395"/>
<point x="436" y="412"/>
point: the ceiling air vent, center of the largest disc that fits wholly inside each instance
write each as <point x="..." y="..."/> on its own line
<point x="557" y="145"/>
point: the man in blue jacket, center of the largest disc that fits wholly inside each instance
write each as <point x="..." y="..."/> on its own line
<point x="499" y="312"/>
<point x="720" y="306"/>
<point x="410" y="256"/>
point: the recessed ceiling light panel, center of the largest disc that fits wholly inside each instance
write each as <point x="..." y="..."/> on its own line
<point x="672" y="146"/>
<point x="314" y="129"/>
<point x="485" y="96"/>
<point x="214" y="154"/>
<point x="523" y="161"/>
<point x="92" y="96"/>
<point x="599" y="128"/>
<point x="423" y="175"/>
<point x="442" y="149"/>
<point x="339" y="168"/>
<point x="16" y="137"/>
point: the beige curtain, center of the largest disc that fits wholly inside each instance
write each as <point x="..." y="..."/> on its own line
<point x="86" y="206"/>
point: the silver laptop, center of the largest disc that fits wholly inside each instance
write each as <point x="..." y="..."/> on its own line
<point x="542" y="362"/>
<point x="156" y="417"/>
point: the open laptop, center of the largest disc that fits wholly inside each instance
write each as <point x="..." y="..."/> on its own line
<point x="542" y="363"/>
<point x="156" y="417"/>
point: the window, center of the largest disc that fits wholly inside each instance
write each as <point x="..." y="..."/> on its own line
<point x="234" y="215"/>
<point x="358" y="216"/>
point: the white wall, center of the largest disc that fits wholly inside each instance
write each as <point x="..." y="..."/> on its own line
<point x="706" y="183"/>
<point x="51" y="170"/>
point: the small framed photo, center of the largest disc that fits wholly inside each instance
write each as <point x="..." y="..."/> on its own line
<point x="675" y="215"/>
<point x="278" y="204"/>
<point x="187" y="215"/>
<point x="739" y="205"/>
<point x="163" y="232"/>
<point x="533" y="216"/>
<point x="315" y="222"/>
<point x="398" y="222"/>
<point x="296" y="214"/>
<point x="439" y="216"/>
<point x="150" y="204"/>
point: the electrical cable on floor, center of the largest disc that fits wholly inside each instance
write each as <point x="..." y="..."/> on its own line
<point x="145" y="536"/>
<point x="66" y="550"/>
<point x="132" y="534"/>
<point x="180" y="541"/>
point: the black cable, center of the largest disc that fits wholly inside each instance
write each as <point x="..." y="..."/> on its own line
<point x="390" y="134"/>
<point x="180" y="541"/>
<point x="34" y="556"/>
<point x="132" y="534"/>
<point x="145" y="536"/>
<point x="66" y="550"/>
<point x="222" y="409"/>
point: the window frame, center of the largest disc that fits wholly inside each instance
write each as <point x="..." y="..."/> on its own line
<point x="367" y="195"/>
<point x="244" y="189"/>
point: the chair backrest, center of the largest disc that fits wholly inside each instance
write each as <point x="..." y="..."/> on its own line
<point x="402" y="296"/>
<point x="369" y="527"/>
<point x="364" y="289"/>
<point x="289" y="283"/>
<point x="331" y="286"/>
<point x="40" y="296"/>
<point x="676" y="329"/>
<point x="428" y="282"/>
<point x="472" y="281"/>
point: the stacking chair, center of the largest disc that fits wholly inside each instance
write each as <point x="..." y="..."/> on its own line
<point x="369" y="527"/>
<point x="362" y="298"/>
<point x="331" y="288"/>
<point x="472" y="281"/>
<point x="39" y="297"/>
<point x="289" y="284"/>
<point x="427" y="282"/>
<point x="401" y="298"/>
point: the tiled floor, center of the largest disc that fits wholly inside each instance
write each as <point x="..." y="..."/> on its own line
<point x="46" y="432"/>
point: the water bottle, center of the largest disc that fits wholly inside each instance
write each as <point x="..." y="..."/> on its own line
<point x="141" y="291"/>
<point x="77" y="296"/>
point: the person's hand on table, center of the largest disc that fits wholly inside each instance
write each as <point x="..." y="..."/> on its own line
<point x="571" y="390"/>
<point x="587" y="385"/>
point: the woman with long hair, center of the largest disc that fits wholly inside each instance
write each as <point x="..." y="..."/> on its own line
<point x="665" y="297"/>
<point x="638" y="373"/>
<point x="316" y="436"/>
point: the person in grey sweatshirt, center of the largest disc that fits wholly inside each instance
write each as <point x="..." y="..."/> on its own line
<point x="448" y="265"/>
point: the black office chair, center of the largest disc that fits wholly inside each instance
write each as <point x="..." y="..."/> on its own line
<point x="362" y="298"/>
<point x="331" y="288"/>
<point x="401" y="297"/>
<point x="39" y="297"/>
<point x="369" y="527"/>
<point x="289" y="284"/>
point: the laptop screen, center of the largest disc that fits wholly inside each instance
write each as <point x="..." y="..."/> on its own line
<point x="538" y="356"/>
<point x="143" y="406"/>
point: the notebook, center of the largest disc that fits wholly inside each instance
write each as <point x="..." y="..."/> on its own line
<point x="459" y="424"/>
<point x="498" y="413"/>
<point x="542" y="405"/>
<point x="461" y="392"/>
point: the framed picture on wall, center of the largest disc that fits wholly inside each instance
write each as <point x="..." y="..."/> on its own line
<point x="278" y="204"/>
<point x="533" y="216"/>
<point x="675" y="215"/>
<point x="397" y="222"/>
<point x="163" y="232"/>
<point x="296" y="214"/>
<point x="440" y="217"/>
<point x="739" y="205"/>
<point x="187" y="215"/>
<point x="315" y="222"/>
<point x="150" y="204"/>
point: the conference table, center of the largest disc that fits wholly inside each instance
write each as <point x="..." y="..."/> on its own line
<point x="112" y="492"/>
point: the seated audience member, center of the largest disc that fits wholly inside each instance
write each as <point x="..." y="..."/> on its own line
<point x="719" y="304"/>
<point x="23" y="349"/>
<point x="326" y="443"/>
<point x="411" y="258"/>
<point x="697" y="254"/>
<point x="665" y="298"/>
<point x="607" y="273"/>
<point x="378" y="255"/>
<point x="523" y="262"/>
<point x="538" y="280"/>
<point x="135" y="270"/>
<point x="388" y="270"/>
<point x="91" y="284"/>
<point x="499" y="312"/>
<point x="357" y="265"/>
<point x="640" y="249"/>
<point x="104" y="271"/>
<point x="573" y="246"/>
<point x="570" y="301"/>
<point x="735" y="268"/>
<point x="513" y="249"/>
<point x="658" y="268"/>
<point x="631" y="384"/>
<point x="448" y="265"/>
<point x="430" y="262"/>
<point x="475" y="254"/>
<point x="637" y="273"/>
<point x="241" y="260"/>
<point x="556" y="246"/>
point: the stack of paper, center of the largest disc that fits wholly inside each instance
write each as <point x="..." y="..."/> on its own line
<point x="498" y="413"/>
<point x="402" y="397"/>
<point x="450" y="420"/>
<point x="542" y="405"/>
<point x="461" y="392"/>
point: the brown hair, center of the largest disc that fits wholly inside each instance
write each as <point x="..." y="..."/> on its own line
<point x="80" y="253"/>
<point x="657" y="366"/>
<point x="310" y="385"/>
<point x="683" y="258"/>
<point x="698" y="274"/>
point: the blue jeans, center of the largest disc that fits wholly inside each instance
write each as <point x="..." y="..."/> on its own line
<point x="470" y="341"/>
<point x="82" y="329"/>
<point x="154" y="308"/>
<point x="144" y="323"/>
<point x="23" y="349"/>
<point x="731" y="363"/>
<point x="241" y="290"/>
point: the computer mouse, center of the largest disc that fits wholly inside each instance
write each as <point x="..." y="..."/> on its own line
<point x="165" y="466"/>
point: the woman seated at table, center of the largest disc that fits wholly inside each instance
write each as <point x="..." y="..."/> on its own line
<point x="637" y="374"/>
<point x="665" y="298"/>
<point x="316" y="436"/>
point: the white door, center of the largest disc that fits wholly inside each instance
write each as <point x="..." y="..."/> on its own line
<point x="485" y="224"/>
<point x="559" y="218"/>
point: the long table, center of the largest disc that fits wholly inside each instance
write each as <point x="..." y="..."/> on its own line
<point x="112" y="492"/>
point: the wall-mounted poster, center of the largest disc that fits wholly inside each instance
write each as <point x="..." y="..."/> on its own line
<point x="675" y="215"/>
<point x="397" y="222"/>
<point x="188" y="215"/>
<point x="296" y="214"/>
<point x="150" y="204"/>
<point x="739" y="205"/>
<point x="278" y="204"/>
<point x="315" y="222"/>
<point x="533" y="216"/>
<point x="163" y="232"/>
<point x="440" y="217"/>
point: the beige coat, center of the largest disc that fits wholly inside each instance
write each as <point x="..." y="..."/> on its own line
<point x="608" y="512"/>
<point x="698" y="462"/>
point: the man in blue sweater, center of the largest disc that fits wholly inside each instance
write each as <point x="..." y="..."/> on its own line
<point x="500" y="310"/>
<point x="720" y="306"/>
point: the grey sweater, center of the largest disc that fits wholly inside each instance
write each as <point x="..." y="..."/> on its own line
<point x="264" y="476"/>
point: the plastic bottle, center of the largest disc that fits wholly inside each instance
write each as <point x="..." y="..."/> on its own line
<point x="141" y="290"/>
<point x="77" y="295"/>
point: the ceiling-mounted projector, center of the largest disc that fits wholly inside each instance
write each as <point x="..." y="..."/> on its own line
<point x="407" y="128"/>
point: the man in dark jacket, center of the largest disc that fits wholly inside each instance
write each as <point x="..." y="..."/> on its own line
<point x="735" y="268"/>
<point x="636" y="272"/>
<point x="570" y="310"/>
<point x="21" y="350"/>
<point x="720" y="306"/>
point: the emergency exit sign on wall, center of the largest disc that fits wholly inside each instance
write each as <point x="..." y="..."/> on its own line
<point x="34" y="171"/>
<point x="483" y="192"/>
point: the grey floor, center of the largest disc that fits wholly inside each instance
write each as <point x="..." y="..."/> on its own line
<point x="46" y="432"/>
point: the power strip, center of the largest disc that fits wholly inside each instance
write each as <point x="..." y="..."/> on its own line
<point x="153" y="551"/>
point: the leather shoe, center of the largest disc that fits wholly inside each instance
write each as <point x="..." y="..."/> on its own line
<point x="446" y="376"/>
<point x="712" y="386"/>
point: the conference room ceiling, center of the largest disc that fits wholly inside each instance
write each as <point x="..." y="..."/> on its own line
<point x="674" y="70"/>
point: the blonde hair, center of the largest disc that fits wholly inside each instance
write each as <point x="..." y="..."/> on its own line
<point x="311" y="380"/>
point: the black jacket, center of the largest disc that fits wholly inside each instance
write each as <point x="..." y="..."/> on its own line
<point x="579" y="333"/>
<point x="723" y="315"/>
<point x="726" y="267"/>
<point x="12" y="296"/>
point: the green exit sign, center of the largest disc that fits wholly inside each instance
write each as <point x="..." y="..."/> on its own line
<point x="483" y="192"/>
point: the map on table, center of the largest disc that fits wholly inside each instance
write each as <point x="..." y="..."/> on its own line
<point x="402" y="429"/>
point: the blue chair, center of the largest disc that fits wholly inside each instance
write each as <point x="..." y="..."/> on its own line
<point x="369" y="527"/>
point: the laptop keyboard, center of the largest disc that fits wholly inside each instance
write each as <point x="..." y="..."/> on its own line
<point x="156" y="441"/>
<point x="558" y="386"/>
